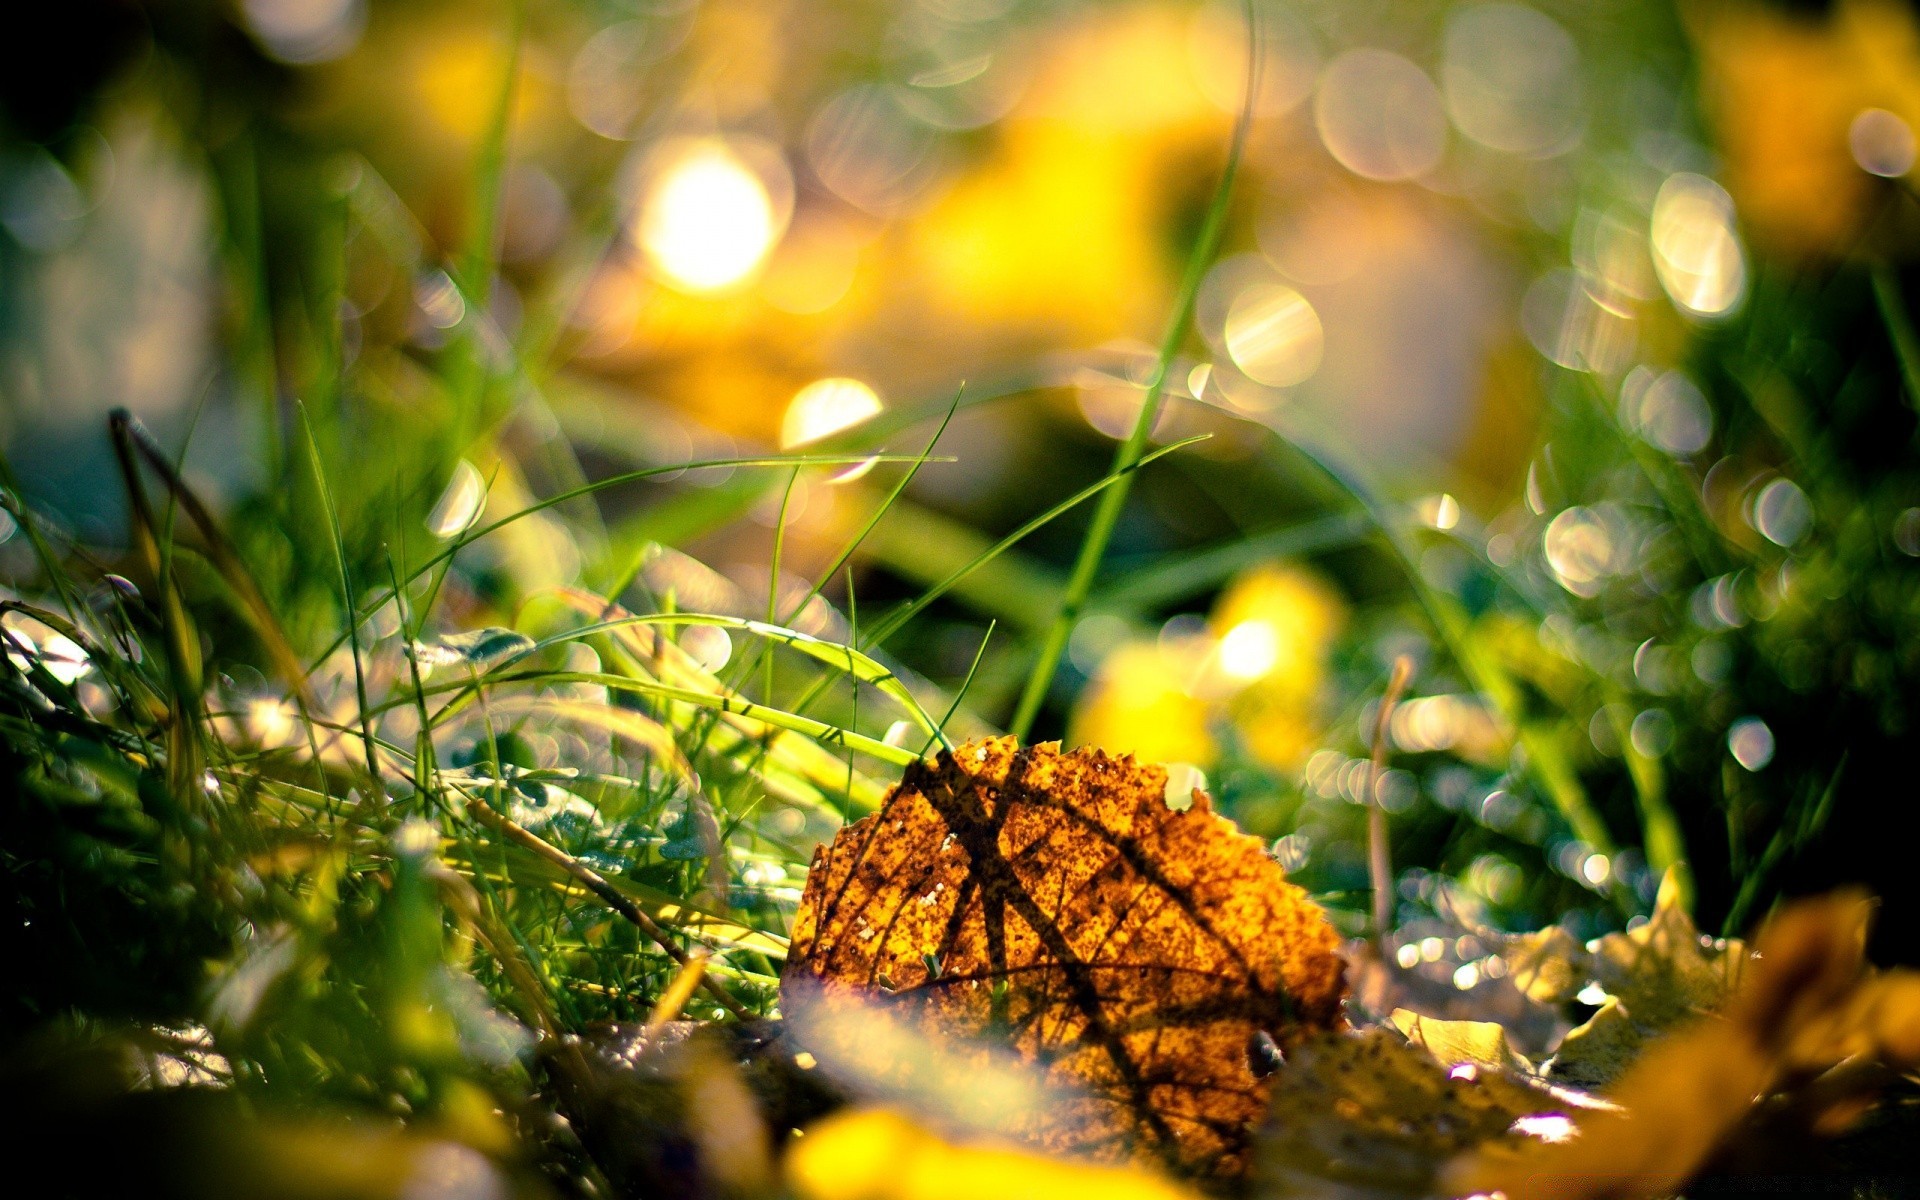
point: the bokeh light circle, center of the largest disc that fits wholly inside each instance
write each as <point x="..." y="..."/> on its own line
<point x="1882" y="143"/>
<point x="1274" y="336"/>
<point x="1380" y="116"/>
<point x="1512" y="79"/>
<point x="707" y="218"/>
<point x="1696" y="251"/>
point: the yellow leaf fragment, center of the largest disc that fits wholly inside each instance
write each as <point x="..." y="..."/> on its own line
<point x="1658" y="976"/>
<point x="1452" y="1043"/>
<point x="876" y="1154"/>
<point x="1547" y="967"/>
<point x="1055" y="904"/>
<point x="1665" y="970"/>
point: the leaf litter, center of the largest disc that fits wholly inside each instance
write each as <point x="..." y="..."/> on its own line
<point x="1180" y="1007"/>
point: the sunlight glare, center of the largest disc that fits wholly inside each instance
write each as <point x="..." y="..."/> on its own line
<point x="826" y="407"/>
<point x="1249" y="650"/>
<point x="708" y="221"/>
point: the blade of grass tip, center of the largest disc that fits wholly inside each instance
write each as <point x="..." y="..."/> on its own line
<point x="1812" y="819"/>
<point x="183" y="650"/>
<point x="346" y="596"/>
<point x="474" y="272"/>
<point x="960" y="695"/>
<point x="853" y="639"/>
<point x="922" y="545"/>
<point x="773" y="577"/>
<point x="257" y="352"/>
<point x="425" y="765"/>
<point x="334" y="226"/>
<point x="169" y="520"/>
<point x="873" y="519"/>
<point x="1899" y="323"/>
<point x="474" y="535"/>
<point x="483" y="212"/>
<point x="846" y="554"/>
<point x="695" y="511"/>
<point x="1106" y="516"/>
<point x="892" y="497"/>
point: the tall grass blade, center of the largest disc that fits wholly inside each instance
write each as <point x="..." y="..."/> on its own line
<point x="1094" y="547"/>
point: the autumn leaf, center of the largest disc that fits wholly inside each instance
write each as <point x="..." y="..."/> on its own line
<point x="1457" y="1043"/>
<point x="1054" y="903"/>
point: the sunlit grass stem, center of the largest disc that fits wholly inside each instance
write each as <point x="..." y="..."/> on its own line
<point x="1093" y="548"/>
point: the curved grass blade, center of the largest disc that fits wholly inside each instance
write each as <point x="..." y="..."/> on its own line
<point x="843" y="658"/>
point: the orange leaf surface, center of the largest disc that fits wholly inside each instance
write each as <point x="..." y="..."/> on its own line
<point x="1132" y="953"/>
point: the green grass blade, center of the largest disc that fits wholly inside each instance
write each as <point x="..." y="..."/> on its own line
<point x="859" y="666"/>
<point x="347" y="609"/>
<point x="892" y="623"/>
<point x="1899" y="323"/>
<point x="1176" y="577"/>
<point x="822" y="732"/>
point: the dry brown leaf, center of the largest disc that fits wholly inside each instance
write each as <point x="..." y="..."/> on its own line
<point x="1054" y="902"/>
<point x="1666" y="970"/>
<point x="1804" y="1014"/>
<point x="1371" y="1117"/>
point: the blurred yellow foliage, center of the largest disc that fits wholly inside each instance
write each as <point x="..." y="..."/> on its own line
<point x="874" y="1154"/>
<point x="1784" y="91"/>
<point x="1139" y="704"/>
<point x="1296" y="614"/>
<point x="1260" y="667"/>
<point x="1303" y="614"/>
<point x="1060" y="230"/>
<point x="454" y="73"/>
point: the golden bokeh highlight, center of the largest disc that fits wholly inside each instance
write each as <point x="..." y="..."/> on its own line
<point x="707" y="220"/>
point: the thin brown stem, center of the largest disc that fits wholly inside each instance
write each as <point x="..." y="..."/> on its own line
<point x="1379" y="851"/>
